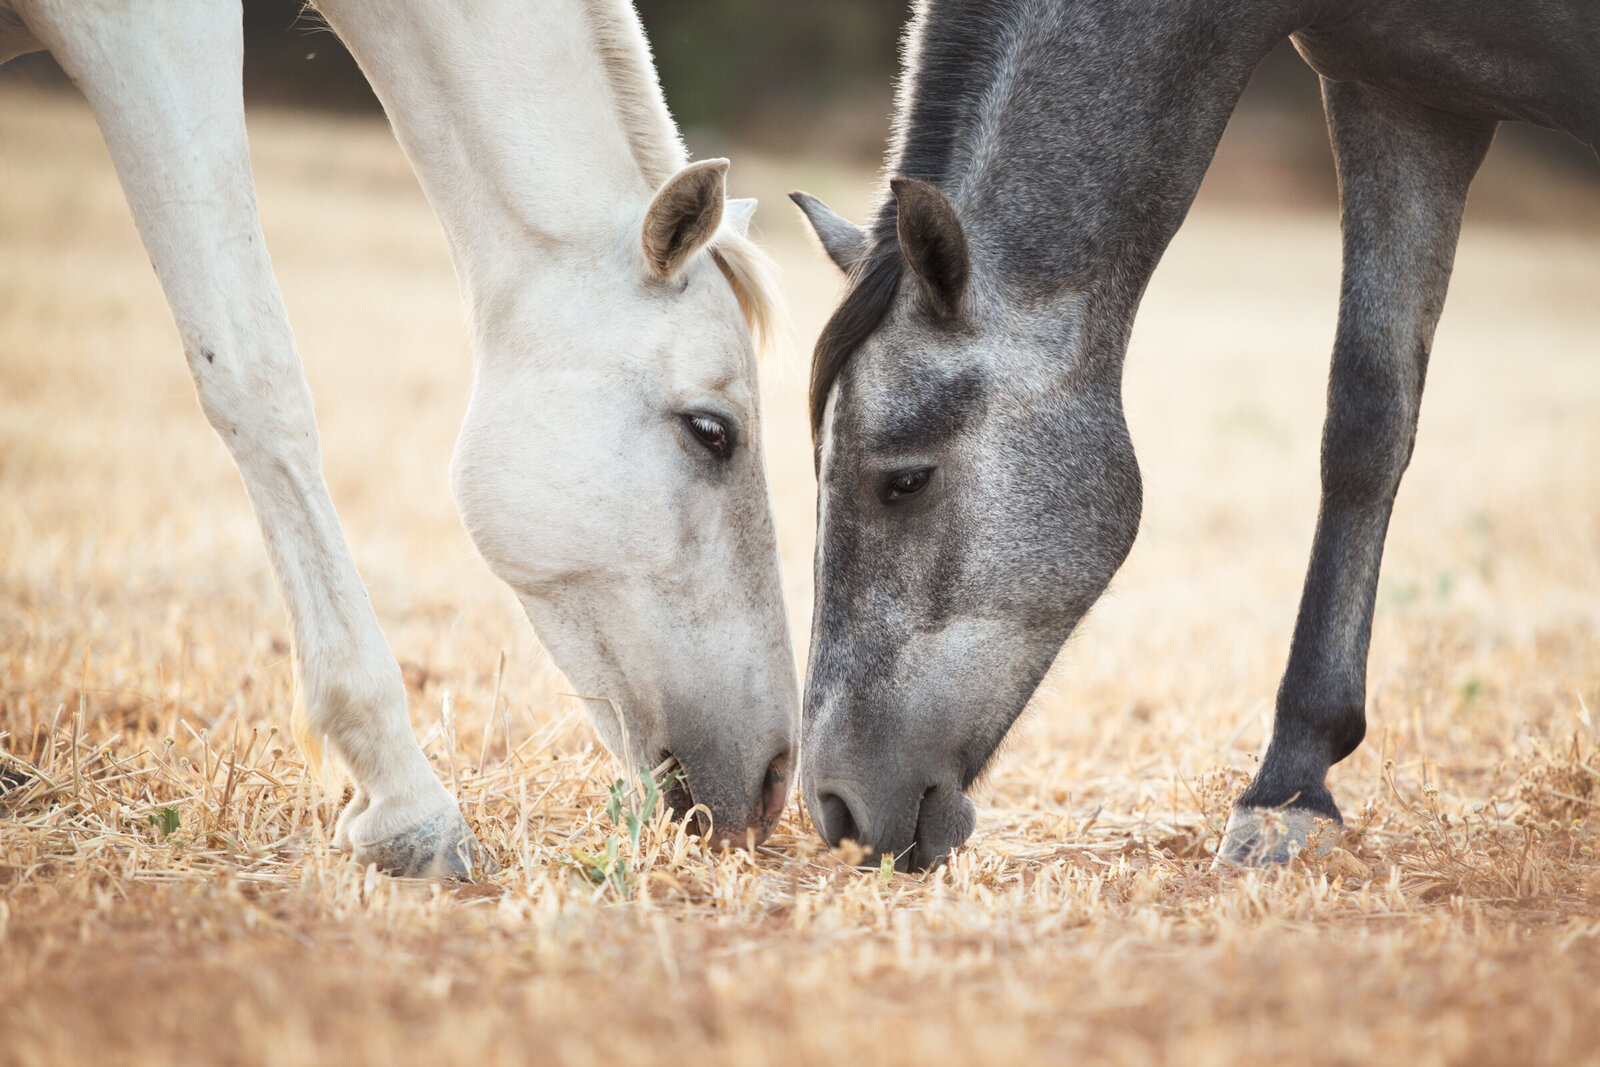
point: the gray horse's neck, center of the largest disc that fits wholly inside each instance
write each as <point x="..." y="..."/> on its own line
<point x="1072" y="136"/>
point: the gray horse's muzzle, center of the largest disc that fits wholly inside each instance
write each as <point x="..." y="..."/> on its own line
<point x="917" y="825"/>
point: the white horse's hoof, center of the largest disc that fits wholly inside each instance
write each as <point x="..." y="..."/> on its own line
<point x="1257" y="837"/>
<point x="436" y="845"/>
<point x="442" y="849"/>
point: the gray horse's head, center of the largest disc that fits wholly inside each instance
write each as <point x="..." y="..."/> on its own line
<point x="977" y="492"/>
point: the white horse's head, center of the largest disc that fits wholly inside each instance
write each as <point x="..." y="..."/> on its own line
<point x="610" y="470"/>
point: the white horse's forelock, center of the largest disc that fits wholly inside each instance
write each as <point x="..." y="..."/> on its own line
<point x="754" y="277"/>
<point x="657" y="148"/>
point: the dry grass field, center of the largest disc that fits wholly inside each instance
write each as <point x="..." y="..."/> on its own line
<point x="166" y="891"/>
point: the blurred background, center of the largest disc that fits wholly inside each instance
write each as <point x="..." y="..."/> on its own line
<point x="815" y="80"/>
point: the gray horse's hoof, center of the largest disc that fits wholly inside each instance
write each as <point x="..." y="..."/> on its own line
<point x="441" y="847"/>
<point x="1258" y="837"/>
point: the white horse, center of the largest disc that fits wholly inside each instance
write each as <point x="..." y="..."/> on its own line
<point x="609" y="468"/>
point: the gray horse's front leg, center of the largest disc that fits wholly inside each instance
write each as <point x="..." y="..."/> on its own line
<point x="1403" y="176"/>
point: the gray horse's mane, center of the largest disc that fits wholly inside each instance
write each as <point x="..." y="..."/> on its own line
<point x="658" y="150"/>
<point x="868" y="294"/>
<point x="954" y="53"/>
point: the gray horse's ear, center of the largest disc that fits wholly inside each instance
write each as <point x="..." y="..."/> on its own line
<point x="684" y="216"/>
<point x="933" y="242"/>
<point x="842" y="239"/>
<point x="738" y="214"/>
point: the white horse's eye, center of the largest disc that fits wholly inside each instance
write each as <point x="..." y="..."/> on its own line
<point x="711" y="432"/>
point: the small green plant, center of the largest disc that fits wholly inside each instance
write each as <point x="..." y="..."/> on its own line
<point x="605" y="867"/>
<point x="609" y="866"/>
<point x="625" y="814"/>
<point x="165" y="821"/>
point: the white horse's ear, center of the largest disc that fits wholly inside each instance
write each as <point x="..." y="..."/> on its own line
<point x="842" y="239"/>
<point x="738" y="214"/>
<point x="684" y="215"/>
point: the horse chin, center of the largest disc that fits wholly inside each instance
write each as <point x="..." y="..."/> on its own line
<point x="945" y="820"/>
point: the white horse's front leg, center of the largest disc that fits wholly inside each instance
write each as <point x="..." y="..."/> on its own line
<point x="164" y="82"/>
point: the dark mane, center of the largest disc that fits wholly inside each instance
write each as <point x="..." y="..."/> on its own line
<point x="872" y="285"/>
<point x="952" y="52"/>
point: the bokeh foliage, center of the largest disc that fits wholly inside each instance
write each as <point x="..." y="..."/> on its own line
<point x="731" y="63"/>
<point x="727" y="64"/>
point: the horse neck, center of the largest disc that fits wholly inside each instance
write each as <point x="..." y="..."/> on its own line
<point x="509" y="114"/>
<point x="1072" y="137"/>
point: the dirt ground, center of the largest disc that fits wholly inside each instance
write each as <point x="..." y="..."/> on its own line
<point x="166" y="891"/>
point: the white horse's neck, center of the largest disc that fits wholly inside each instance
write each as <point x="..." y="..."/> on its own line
<point x="538" y="121"/>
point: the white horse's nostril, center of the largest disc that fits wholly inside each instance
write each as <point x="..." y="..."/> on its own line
<point x="774" y="791"/>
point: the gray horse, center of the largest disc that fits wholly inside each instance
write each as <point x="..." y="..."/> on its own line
<point x="978" y="486"/>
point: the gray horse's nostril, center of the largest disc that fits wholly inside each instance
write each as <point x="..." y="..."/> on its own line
<point x="836" y="821"/>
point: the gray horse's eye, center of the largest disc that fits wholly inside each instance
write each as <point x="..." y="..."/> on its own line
<point x="906" y="484"/>
<point x="711" y="432"/>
